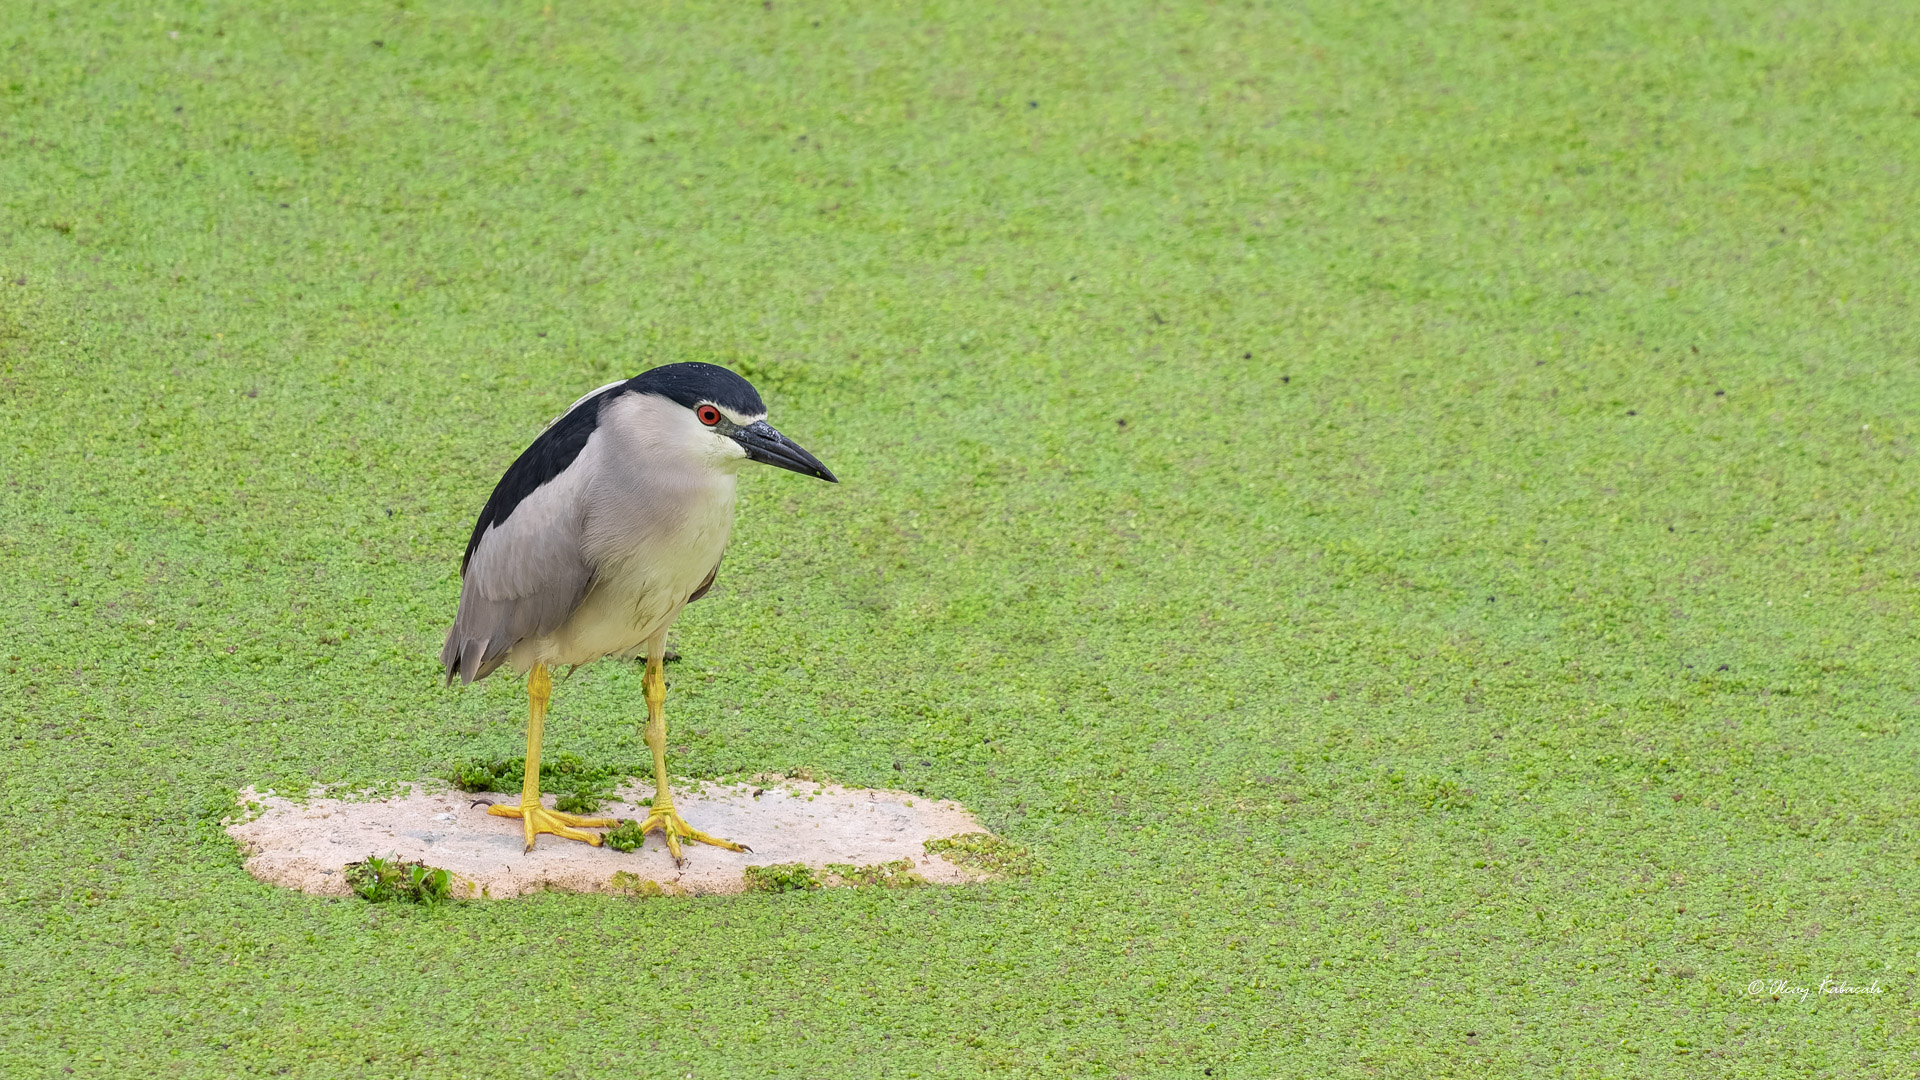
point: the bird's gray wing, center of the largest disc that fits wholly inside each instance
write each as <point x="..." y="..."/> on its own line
<point x="526" y="568"/>
<point x="525" y="577"/>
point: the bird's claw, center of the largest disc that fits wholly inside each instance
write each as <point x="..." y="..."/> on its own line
<point x="675" y="829"/>
<point x="538" y="819"/>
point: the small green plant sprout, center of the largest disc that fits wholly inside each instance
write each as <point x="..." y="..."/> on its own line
<point x="898" y="874"/>
<point x="985" y="852"/>
<point x="380" y="880"/>
<point x="780" y="877"/>
<point x="629" y="884"/>
<point x="625" y="836"/>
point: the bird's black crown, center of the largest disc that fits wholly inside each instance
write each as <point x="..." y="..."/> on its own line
<point x="692" y="383"/>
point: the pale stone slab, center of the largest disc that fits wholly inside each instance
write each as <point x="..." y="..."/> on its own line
<point x="306" y="845"/>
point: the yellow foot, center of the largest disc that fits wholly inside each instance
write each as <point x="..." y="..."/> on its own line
<point x="538" y="819"/>
<point x="675" y="829"/>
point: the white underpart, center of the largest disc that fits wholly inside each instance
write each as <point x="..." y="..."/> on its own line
<point x="659" y="495"/>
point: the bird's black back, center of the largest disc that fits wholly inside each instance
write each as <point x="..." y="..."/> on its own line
<point x="552" y="451"/>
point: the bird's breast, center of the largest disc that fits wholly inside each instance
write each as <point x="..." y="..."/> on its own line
<point x="655" y="550"/>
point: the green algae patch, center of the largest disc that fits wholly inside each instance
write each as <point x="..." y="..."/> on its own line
<point x="1237" y="406"/>
<point x="629" y="884"/>
<point x="781" y="877"/>
<point x="985" y="852"/>
<point x="580" y="786"/>
<point x="898" y="874"/>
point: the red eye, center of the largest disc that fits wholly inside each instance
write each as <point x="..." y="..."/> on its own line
<point x="708" y="415"/>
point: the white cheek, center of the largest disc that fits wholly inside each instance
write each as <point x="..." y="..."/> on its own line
<point x="726" y="452"/>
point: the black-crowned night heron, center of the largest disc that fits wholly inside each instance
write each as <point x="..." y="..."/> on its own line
<point x="611" y="522"/>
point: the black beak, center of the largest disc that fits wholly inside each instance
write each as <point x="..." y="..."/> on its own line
<point x="766" y="445"/>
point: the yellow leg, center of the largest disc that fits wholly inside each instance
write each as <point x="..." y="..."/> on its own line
<point x="662" y="816"/>
<point x="537" y="818"/>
